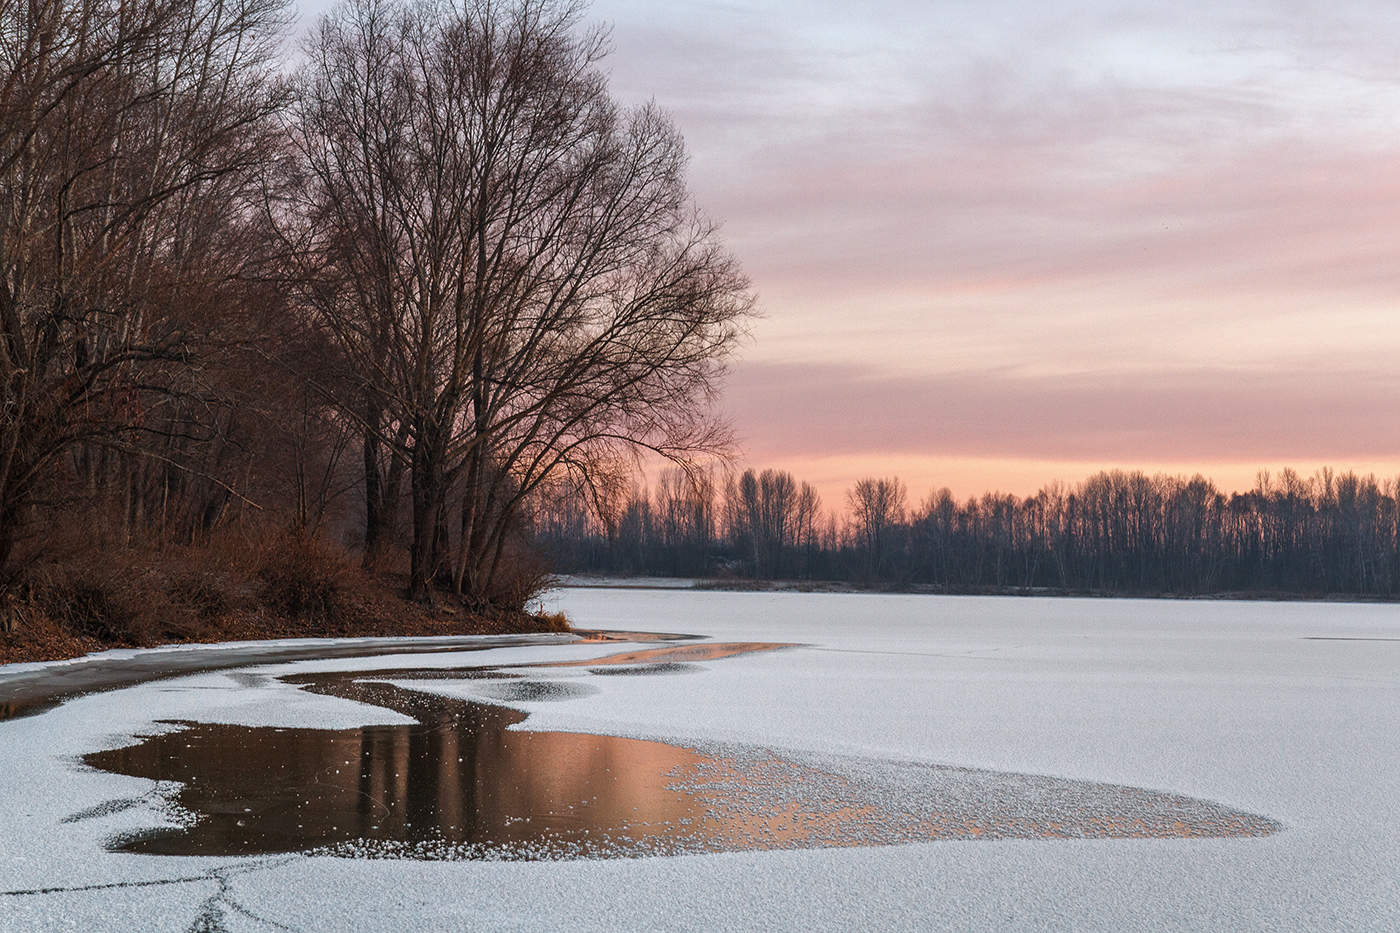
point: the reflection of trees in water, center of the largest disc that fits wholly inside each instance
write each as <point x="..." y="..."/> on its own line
<point x="456" y="776"/>
<point x="459" y="783"/>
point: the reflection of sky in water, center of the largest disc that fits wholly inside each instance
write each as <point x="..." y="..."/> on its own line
<point x="460" y="784"/>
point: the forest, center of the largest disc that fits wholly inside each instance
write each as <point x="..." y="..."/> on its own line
<point x="411" y="302"/>
<point x="271" y="307"/>
<point x="1114" y="533"/>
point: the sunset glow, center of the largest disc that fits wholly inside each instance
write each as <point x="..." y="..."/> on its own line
<point x="1002" y="243"/>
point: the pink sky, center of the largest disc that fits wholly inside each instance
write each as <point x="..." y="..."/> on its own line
<point x="1002" y="242"/>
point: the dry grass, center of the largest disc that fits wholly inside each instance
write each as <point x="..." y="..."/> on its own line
<point x="245" y="583"/>
<point x="554" y="622"/>
<point x="305" y="578"/>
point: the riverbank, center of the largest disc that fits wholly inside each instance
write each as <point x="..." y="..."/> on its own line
<point x="29" y="688"/>
<point x="745" y="585"/>
<point x="385" y="617"/>
<point x="284" y="588"/>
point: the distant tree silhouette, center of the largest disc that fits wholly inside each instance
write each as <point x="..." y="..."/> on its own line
<point x="762" y="512"/>
<point x="877" y="514"/>
<point x="1115" y="532"/>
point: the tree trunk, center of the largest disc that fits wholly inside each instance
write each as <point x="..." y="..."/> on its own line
<point x="471" y="520"/>
<point x="374" y="516"/>
<point x="9" y="517"/>
<point x="383" y="485"/>
<point x="427" y="491"/>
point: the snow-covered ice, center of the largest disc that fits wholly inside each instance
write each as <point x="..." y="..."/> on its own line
<point x="1282" y="709"/>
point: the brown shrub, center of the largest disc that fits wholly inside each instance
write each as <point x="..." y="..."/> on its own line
<point x="13" y="614"/>
<point x="78" y="591"/>
<point x="306" y="578"/>
<point x="139" y="593"/>
<point x="202" y="593"/>
<point x="521" y="576"/>
<point x="109" y="605"/>
<point x="553" y="622"/>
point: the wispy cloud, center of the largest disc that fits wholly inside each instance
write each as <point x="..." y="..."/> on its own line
<point x="1145" y="418"/>
<point x="1113" y="229"/>
<point x="1080" y="230"/>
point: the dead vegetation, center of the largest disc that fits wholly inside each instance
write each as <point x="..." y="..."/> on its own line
<point x="244" y="583"/>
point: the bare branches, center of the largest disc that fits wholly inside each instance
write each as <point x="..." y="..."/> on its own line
<point x="440" y="240"/>
<point x="508" y="260"/>
<point x="132" y="136"/>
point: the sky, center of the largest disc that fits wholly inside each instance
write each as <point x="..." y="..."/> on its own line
<point x="997" y="243"/>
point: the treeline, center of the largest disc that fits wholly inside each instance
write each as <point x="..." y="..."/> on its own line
<point x="1116" y="532"/>
<point x="387" y="293"/>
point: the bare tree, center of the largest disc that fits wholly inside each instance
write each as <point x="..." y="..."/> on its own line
<point x="762" y="513"/>
<point x="805" y="530"/>
<point x="685" y="515"/>
<point x="1115" y="532"/>
<point x="511" y="262"/>
<point x="877" y="510"/>
<point x="132" y="134"/>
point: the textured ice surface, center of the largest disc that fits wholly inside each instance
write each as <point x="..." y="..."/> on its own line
<point x="1270" y="708"/>
<point x="459" y="783"/>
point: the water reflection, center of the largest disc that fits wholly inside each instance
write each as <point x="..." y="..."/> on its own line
<point x="702" y="651"/>
<point x="456" y="780"/>
<point x="459" y="783"/>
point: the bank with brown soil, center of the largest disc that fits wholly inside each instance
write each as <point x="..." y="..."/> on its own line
<point x="287" y="587"/>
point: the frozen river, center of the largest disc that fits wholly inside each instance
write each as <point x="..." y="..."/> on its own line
<point x="938" y="763"/>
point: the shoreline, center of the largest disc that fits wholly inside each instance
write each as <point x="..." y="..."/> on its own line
<point x="334" y="602"/>
<point x="28" y="688"/>
<point x="18" y="658"/>
<point x="721" y="585"/>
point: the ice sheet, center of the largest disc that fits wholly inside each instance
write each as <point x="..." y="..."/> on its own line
<point x="1288" y="710"/>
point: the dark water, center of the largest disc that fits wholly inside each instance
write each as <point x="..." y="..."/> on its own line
<point x="458" y="783"/>
<point x="458" y="779"/>
<point x="32" y="694"/>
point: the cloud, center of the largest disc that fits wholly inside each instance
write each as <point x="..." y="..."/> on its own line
<point x="1088" y="231"/>
<point x="805" y="411"/>
<point x="1142" y="152"/>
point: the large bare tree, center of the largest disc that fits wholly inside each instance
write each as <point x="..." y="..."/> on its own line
<point x="510" y="263"/>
